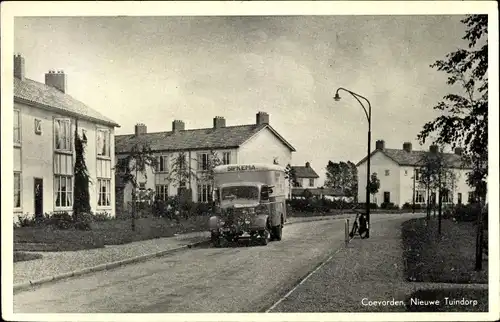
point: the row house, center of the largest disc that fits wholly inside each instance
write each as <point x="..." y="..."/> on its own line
<point x="399" y="172"/>
<point x="238" y="144"/>
<point x="45" y="120"/>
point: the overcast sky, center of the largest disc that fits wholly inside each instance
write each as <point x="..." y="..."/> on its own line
<point x="156" y="69"/>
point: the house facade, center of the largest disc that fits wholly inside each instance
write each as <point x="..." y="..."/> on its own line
<point x="306" y="176"/>
<point x="240" y="144"/>
<point x="399" y="173"/>
<point x="45" y="121"/>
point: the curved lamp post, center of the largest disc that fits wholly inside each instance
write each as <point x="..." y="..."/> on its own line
<point x="369" y="117"/>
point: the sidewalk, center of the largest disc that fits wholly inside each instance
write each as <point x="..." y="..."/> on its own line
<point x="370" y="269"/>
<point x="56" y="263"/>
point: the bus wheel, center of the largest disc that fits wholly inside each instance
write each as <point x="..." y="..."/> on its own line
<point x="277" y="232"/>
<point x="264" y="237"/>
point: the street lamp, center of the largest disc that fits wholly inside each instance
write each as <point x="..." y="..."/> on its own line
<point x="369" y="117"/>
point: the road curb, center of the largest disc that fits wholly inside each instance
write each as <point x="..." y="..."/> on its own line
<point x="101" y="267"/>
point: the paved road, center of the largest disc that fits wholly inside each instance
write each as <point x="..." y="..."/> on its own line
<point x="233" y="279"/>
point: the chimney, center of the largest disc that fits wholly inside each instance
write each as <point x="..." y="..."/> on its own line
<point x="140" y="128"/>
<point x="459" y="151"/>
<point x="434" y="148"/>
<point x="380" y="144"/>
<point x="308" y="165"/>
<point x="19" y="67"/>
<point x="219" y="122"/>
<point x="407" y="146"/>
<point x="262" y="118"/>
<point x="177" y="125"/>
<point x="56" y="80"/>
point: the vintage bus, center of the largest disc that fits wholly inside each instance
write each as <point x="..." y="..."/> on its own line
<point x="249" y="202"/>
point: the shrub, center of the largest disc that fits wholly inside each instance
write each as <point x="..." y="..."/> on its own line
<point x="388" y="205"/>
<point x="409" y="206"/>
<point x="102" y="216"/>
<point x="467" y="213"/>
<point x="83" y="222"/>
<point x="61" y="220"/>
<point x="362" y="205"/>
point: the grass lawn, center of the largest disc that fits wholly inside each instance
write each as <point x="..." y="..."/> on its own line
<point x="22" y="256"/>
<point x="471" y="300"/>
<point x="111" y="232"/>
<point x="448" y="259"/>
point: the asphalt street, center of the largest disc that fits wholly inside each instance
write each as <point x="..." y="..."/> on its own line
<point x="206" y="279"/>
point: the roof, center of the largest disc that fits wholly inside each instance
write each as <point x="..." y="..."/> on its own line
<point x="248" y="167"/>
<point x="40" y="95"/>
<point x="304" y="172"/>
<point x="196" y="139"/>
<point x="417" y="158"/>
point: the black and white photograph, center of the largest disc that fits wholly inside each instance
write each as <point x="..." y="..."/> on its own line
<point x="250" y="159"/>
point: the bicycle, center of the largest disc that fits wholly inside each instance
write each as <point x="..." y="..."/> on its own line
<point x="359" y="226"/>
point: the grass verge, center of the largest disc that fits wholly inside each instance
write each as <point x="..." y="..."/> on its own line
<point x="22" y="256"/>
<point x="111" y="232"/>
<point x="448" y="300"/>
<point x="448" y="258"/>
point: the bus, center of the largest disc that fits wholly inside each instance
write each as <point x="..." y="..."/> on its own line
<point x="250" y="202"/>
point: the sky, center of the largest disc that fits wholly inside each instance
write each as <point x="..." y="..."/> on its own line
<point x="153" y="70"/>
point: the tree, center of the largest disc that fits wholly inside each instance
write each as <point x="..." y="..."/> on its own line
<point x="342" y="176"/>
<point x="374" y="184"/>
<point x="81" y="204"/>
<point x="209" y="175"/>
<point x="464" y="119"/>
<point x="138" y="161"/>
<point x="436" y="174"/>
<point x="291" y="175"/>
<point x="181" y="171"/>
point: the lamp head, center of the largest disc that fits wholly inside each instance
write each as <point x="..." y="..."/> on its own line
<point x="337" y="97"/>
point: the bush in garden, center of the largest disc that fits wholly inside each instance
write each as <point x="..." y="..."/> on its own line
<point x="467" y="213"/>
<point x="84" y="221"/>
<point x="389" y="206"/>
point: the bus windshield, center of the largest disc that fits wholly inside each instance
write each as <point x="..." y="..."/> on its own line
<point x="240" y="192"/>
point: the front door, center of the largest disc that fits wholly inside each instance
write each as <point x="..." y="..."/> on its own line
<point x="387" y="197"/>
<point x="38" y="185"/>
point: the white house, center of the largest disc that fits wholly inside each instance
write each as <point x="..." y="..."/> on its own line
<point x="306" y="176"/>
<point x="251" y="143"/>
<point x="398" y="172"/>
<point x="45" y="119"/>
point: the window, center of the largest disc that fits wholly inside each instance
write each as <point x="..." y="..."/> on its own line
<point x="311" y="182"/>
<point x="459" y="198"/>
<point x="202" y="161"/>
<point x="471" y="197"/>
<point x="162" y="163"/>
<point x="104" y="199"/>
<point x="204" y="193"/>
<point x="406" y="172"/>
<point x="63" y="191"/>
<point x="103" y="175"/>
<point x="103" y="140"/>
<point x="62" y="134"/>
<point x="17" y="189"/>
<point x="387" y="172"/>
<point x="420" y="196"/>
<point x="447" y="197"/>
<point x="161" y="192"/>
<point x="142" y="185"/>
<point x="226" y="158"/>
<point x="417" y="174"/>
<point x="17" y="127"/>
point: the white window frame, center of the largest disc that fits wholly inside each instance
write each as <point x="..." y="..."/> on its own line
<point x="387" y="172"/>
<point x="106" y="134"/>
<point x="17" y="127"/>
<point x="18" y="190"/>
<point x="224" y="159"/>
<point x="447" y="197"/>
<point x="161" y="192"/>
<point x="420" y="193"/>
<point x="202" y="161"/>
<point x="311" y="182"/>
<point x="204" y="192"/>
<point x="63" y="195"/>
<point x="417" y="174"/>
<point x="163" y="157"/>
<point x="104" y="195"/>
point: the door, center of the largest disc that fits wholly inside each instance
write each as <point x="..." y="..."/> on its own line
<point x="38" y="186"/>
<point x="387" y="197"/>
<point x="459" y="198"/>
